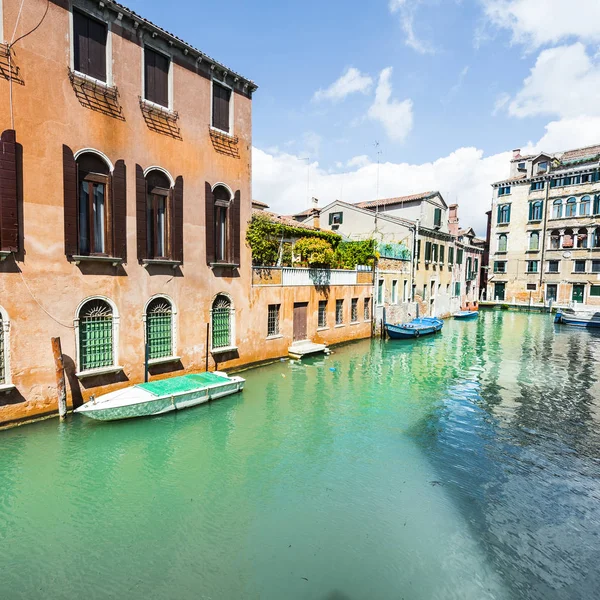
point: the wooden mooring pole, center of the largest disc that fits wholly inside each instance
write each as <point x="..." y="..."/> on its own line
<point x="207" y="341"/>
<point x="61" y="389"/>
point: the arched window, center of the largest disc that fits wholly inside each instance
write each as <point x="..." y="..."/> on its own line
<point x="534" y="240"/>
<point x="504" y="213"/>
<point x="223" y="199"/>
<point x="584" y="206"/>
<point x="557" y="208"/>
<point x="568" y="238"/>
<point x="502" y="242"/>
<point x="96" y="335"/>
<point x="159" y="215"/>
<point x="555" y="239"/>
<point x="535" y="210"/>
<point x="582" y="238"/>
<point x="160" y="328"/>
<point x="5" y="380"/>
<point x="571" y="210"/>
<point x="222" y="323"/>
<point x="93" y="205"/>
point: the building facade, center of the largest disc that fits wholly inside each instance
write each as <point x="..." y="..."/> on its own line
<point x="545" y="230"/>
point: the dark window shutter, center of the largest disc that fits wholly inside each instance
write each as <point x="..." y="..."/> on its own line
<point x="119" y="210"/>
<point x="80" y="41"/>
<point x="141" y="212"/>
<point x="97" y="50"/>
<point x="236" y="210"/>
<point x="209" y="223"/>
<point x="9" y="220"/>
<point x="221" y="99"/>
<point x="156" y="69"/>
<point x="70" y="201"/>
<point x="330" y="218"/>
<point x="178" y="219"/>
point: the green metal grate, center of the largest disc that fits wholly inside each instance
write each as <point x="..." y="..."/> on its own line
<point x="96" y="335"/>
<point x="221" y="323"/>
<point x="2" y="357"/>
<point x="159" y="328"/>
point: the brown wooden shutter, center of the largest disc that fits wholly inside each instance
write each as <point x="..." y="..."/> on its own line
<point x="9" y="211"/>
<point x="209" y="224"/>
<point x="119" y="210"/>
<point x="236" y="226"/>
<point x="97" y="50"/>
<point x="141" y="212"/>
<point x="80" y="41"/>
<point x="178" y="219"/>
<point x="221" y="97"/>
<point x="156" y="77"/>
<point x="70" y="201"/>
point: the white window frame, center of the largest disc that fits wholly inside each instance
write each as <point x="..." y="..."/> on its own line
<point x="382" y="292"/>
<point x="115" y="367"/>
<point x="174" y="357"/>
<point x="109" y="72"/>
<point x="170" y="94"/>
<point x="394" y="291"/>
<point x="8" y="384"/>
<point x="405" y="291"/>
<point x="231" y="132"/>
<point x="232" y="337"/>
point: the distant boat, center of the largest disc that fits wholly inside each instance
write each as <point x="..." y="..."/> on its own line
<point x="162" y="396"/>
<point x="414" y="329"/>
<point x="584" y="316"/>
<point x="466" y="314"/>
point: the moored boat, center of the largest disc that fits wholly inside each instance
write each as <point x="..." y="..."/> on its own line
<point x="585" y="316"/>
<point x="416" y="328"/>
<point x="466" y="314"/>
<point x="162" y="396"/>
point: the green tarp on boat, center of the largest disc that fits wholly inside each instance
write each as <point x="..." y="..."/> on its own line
<point x="179" y="385"/>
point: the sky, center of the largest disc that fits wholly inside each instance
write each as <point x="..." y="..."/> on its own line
<point x="362" y="100"/>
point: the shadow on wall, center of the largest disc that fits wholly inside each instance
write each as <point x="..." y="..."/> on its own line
<point x="73" y="382"/>
<point x="14" y="396"/>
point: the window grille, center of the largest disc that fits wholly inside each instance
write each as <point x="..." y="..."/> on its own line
<point x="367" y="309"/>
<point x="159" y="328"/>
<point x="354" y="310"/>
<point x="273" y="320"/>
<point x="221" y="322"/>
<point x="95" y="335"/>
<point x="339" y="312"/>
<point x="322" y="313"/>
<point x="2" y="357"/>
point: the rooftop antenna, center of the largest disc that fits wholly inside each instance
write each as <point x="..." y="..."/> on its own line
<point x="307" y="159"/>
<point x="378" y="151"/>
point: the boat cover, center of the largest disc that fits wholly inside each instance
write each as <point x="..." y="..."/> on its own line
<point x="179" y="385"/>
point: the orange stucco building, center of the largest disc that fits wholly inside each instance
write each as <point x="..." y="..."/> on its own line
<point x="125" y="189"/>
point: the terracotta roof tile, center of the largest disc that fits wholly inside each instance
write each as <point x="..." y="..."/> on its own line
<point x="259" y="203"/>
<point x="510" y="179"/>
<point x="275" y="218"/>
<point x="396" y="200"/>
<point x="579" y="153"/>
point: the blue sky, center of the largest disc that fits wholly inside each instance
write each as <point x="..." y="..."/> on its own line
<point x="447" y="88"/>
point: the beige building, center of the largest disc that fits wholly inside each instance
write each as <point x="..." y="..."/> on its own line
<point x="545" y="232"/>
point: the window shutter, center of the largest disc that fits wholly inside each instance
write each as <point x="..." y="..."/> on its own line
<point x="331" y="218"/>
<point x="97" y="50"/>
<point x="70" y="201"/>
<point x="236" y="227"/>
<point x="156" y="73"/>
<point x="9" y="221"/>
<point x="119" y="210"/>
<point x="209" y="223"/>
<point x="178" y="219"/>
<point x="80" y="43"/>
<point x="221" y="99"/>
<point x="141" y="202"/>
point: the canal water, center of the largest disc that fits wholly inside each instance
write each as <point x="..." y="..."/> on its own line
<point x="464" y="466"/>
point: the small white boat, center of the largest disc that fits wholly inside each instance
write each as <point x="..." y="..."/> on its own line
<point x="162" y="396"/>
<point x="581" y="316"/>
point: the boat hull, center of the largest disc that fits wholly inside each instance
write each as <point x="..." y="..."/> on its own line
<point x="466" y="314"/>
<point x="414" y="329"/>
<point x="577" y="321"/>
<point x="139" y="402"/>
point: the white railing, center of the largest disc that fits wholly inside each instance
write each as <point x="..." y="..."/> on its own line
<point x="294" y="276"/>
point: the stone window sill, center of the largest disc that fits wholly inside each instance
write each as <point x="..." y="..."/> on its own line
<point x="6" y="387"/>
<point x="322" y="328"/>
<point x="4" y="255"/>
<point x="274" y="337"/>
<point x="163" y="360"/>
<point x="97" y="258"/>
<point x="224" y="350"/>
<point x="161" y="261"/>
<point x="224" y="265"/>
<point x="339" y="325"/>
<point x="91" y="79"/>
<point x="98" y="371"/>
<point x="355" y="323"/>
<point x="148" y="104"/>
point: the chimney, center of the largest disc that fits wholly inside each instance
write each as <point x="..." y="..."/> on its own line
<point x="453" y="219"/>
<point x="316" y="213"/>
<point x="516" y="153"/>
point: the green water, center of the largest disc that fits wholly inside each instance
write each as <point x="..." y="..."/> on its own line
<point x="464" y="466"/>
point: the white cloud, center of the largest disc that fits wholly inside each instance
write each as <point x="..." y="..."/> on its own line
<point x="564" y="81"/>
<point x="464" y="176"/>
<point x="396" y="117"/>
<point x="358" y="161"/>
<point x="406" y="9"/>
<point x="350" y="82"/>
<point x="539" y="22"/>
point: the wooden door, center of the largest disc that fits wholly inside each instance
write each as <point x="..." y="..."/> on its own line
<point x="578" y="293"/>
<point x="300" y="317"/>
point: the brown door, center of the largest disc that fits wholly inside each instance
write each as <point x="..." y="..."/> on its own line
<point x="300" y="316"/>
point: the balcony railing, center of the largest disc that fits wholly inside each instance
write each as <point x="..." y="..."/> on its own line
<point x="292" y="276"/>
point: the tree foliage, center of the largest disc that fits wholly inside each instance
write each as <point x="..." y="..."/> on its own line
<point x="350" y="254"/>
<point x="314" y="252"/>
